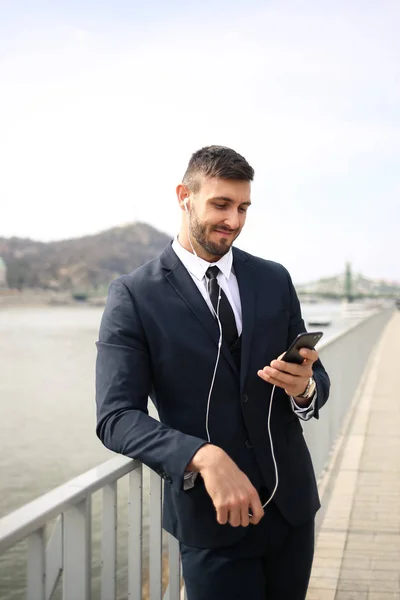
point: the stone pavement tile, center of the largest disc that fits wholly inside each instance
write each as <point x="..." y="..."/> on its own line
<point x="380" y="500"/>
<point x="380" y="460"/>
<point x="320" y="594"/>
<point x="332" y="572"/>
<point x="370" y="553"/>
<point x="383" y="596"/>
<point x="392" y="541"/>
<point x="386" y="483"/>
<point x="384" y="585"/>
<point x="380" y="424"/>
<point x="343" y="492"/>
<point x="342" y="503"/>
<point x="365" y="499"/>
<point x="329" y="552"/>
<point x="385" y="565"/>
<point x="385" y="402"/>
<point x="351" y="596"/>
<point x="331" y="539"/>
<point x="353" y="451"/>
<point x="386" y="551"/>
<point x="337" y="524"/>
<point x="323" y="583"/>
<point x="350" y="585"/>
<point x="339" y="510"/>
<point x="359" y="426"/>
<point x="330" y="561"/>
<point x="369" y="575"/>
<point x="357" y="562"/>
<point x="381" y="496"/>
<point x="388" y="506"/>
<point x="370" y="541"/>
<point x="379" y="506"/>
<point x="373" y="457"/>
<point x="373" y="551"/>
<point x="373" y="585"/>
<point x="356" y="540"/>
<point x="374" y="525"/>
<point x="365" y="491"/>
<point x="363" y="514"/>
<point x="336" y="538"/>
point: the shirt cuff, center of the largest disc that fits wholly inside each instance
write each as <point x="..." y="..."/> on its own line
<point x="307" y="412"/>
<point x="189" y="479"/>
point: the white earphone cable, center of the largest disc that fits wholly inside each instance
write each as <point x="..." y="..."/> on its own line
<point x="272" y="450"/>
<point x="216" y="313"/>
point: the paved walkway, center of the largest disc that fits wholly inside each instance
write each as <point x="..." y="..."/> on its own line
<point x="358" y="547"/>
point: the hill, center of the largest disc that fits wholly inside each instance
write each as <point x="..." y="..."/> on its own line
<point x="80" y="264"/>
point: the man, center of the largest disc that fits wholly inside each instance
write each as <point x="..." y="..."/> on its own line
<point x="160" y="336"/>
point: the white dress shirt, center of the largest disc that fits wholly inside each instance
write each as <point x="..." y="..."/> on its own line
<point x="197" y="268"/>
<point x="226" y="278"/>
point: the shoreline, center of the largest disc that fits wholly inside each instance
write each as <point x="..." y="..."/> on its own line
<point x="42" y="299"/>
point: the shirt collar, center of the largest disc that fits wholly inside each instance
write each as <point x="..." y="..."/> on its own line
<point x="198" y="266"/>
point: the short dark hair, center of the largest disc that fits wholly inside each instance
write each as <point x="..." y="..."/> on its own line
<point x="216" y="161"/>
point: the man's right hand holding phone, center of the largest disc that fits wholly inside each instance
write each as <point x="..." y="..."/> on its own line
<point x="293" y="378"/>
<point x="293" y="370"/>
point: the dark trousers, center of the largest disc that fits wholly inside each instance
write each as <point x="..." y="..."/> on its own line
<point x="272" y="562"/>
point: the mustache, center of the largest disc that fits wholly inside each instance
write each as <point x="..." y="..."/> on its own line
<point x="225" y="229"/>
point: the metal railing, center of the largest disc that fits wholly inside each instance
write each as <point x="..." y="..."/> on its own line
<point x="345" y="357"/>
<point x="67" y="553"/>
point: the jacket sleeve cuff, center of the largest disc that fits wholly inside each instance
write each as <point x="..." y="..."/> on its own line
<point x="189" y="479"/>
<point x="186" y="455"/>
<point x="304" y="413"/>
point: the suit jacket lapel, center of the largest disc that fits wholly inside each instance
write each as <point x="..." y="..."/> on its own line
<point x="181" y="281"/>
<point x="247" y="289"/>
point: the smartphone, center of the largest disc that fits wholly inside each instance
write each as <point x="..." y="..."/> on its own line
<point x="303" y="340"/>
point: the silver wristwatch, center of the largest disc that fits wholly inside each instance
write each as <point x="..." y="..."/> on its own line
<point x="310" y="389"/>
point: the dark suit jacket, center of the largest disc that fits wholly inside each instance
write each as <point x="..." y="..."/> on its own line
<point x="158" y="338"/>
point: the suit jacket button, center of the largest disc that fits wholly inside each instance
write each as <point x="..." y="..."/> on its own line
<point x="245" y="398"/>
<point x="248" y="444"/>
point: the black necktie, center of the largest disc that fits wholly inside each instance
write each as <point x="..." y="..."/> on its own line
<point x="226" y="316"/>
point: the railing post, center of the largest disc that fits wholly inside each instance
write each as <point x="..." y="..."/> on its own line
<point x="135" y="534"/>
<point x="36" y="567"/>
<point x="109" y="542"/>
<point x="174" y="583"/>
<point x="77" y="552"/>
<point x="155" y="545"/>
<point x="54" y="557"/>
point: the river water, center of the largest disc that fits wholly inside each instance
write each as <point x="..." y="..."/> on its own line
<point x="47" y="411"/>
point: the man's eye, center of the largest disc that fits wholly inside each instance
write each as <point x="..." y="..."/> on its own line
<point x="219" y="205"/>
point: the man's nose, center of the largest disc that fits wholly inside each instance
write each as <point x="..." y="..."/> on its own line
<point x="232" y="219"/>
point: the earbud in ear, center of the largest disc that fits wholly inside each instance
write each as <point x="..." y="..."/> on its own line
<point x="185" y="203"/>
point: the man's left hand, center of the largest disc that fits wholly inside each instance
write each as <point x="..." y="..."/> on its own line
<point x="293" y="378"/>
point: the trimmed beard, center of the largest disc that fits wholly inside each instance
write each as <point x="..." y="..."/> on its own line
<point x="198" y="231"/>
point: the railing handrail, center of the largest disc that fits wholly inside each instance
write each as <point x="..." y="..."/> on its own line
<point x="27" y="519"/>
<point x="324" y="343"/>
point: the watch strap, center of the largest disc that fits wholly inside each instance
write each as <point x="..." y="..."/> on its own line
<point x="309" y="391"/>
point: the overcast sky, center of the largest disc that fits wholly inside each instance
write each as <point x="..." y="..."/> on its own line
<point x="102" y="104"/>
